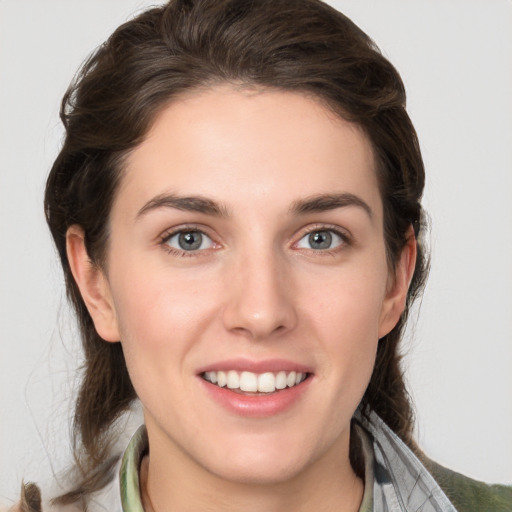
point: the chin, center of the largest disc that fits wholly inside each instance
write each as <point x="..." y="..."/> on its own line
<point x="261" y="461"/>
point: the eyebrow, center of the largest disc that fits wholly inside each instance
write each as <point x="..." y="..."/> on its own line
<point x="313" y="204"/>
<point x="324" y="202"/>
<point x="186" y="203"/>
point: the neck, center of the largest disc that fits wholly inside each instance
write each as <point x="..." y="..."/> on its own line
<point x="329" y="484"/>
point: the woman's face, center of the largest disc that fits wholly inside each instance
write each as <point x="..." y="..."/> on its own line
<point x="247" y="246"/>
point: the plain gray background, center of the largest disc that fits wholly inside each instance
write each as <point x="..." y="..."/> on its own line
<point x="455" y="58"/>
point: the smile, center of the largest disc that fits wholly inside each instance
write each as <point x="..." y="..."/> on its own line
<point x="250" y="382"/>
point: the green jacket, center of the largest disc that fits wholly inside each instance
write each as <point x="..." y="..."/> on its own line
<point x="468" y="495"/>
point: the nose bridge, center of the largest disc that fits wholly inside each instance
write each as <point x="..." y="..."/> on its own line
<point x="260" y="300"/>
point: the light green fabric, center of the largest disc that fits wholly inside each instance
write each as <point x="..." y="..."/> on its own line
<point x="129" y="472"/>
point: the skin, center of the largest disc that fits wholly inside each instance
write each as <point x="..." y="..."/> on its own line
<point x="256" y="289"/>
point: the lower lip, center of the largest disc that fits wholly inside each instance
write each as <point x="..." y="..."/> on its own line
<point x="256" y="406"/>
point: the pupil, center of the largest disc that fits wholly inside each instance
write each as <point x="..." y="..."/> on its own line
<point x="320" y="240"/>
<point x="190" y="240"/>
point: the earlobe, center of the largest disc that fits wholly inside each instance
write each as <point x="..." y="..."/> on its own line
<point x="93" y="285"/>
<point x="396" y="296"/>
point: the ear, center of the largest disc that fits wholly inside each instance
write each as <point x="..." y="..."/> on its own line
<point x="93" y="285"/>
<point x="398" y="285"/>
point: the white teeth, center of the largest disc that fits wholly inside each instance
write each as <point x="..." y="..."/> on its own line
<point x="267" y="382"/>
<point x="291" y="379"/>
<point x="233" y="380"/>
<point x="248" y="381"/>
<point x="281" y="380"/>
<point x="221" y="379"/>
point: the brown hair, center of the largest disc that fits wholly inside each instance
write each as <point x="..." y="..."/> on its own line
<point x="293" y="45"/>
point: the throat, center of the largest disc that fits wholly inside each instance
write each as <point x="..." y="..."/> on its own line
<point x="296" y="495"/>
<point x="174" y="477"/>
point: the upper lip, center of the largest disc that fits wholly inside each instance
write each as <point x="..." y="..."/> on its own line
<point x="249" y="365"/>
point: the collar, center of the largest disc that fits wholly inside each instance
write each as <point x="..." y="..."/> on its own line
<point x="395" y="479"/>
<point x="401" y="482"/>
<point x="129" y="471"/>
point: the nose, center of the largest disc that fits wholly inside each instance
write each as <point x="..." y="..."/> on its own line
<point x="260" y="301"/>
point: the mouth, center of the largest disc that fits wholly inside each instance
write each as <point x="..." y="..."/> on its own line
<point x="256" y="389"/>
<point x="249" y="383"/>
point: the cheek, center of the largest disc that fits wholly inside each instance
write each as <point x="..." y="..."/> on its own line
<point x="345" y="316"/>
<point x="154" y="298"/>
<point x="348" y="301"/>
<point x="160" y="318"/>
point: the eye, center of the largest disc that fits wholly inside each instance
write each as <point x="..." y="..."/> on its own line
<point x="321" y="240"/>
<point x="190" y="240"/>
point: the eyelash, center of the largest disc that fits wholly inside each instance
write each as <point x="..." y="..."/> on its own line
<point x="346" y="239"/>
<point x="168" y="235"/>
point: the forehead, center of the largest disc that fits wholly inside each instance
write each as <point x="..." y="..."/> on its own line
<point x="250" y="145"/>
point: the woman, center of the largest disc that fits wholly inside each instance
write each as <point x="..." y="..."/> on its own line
<point x="237" y="209"/>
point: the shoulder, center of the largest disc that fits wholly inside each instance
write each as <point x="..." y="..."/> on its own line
<point x="468" y="495"/>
